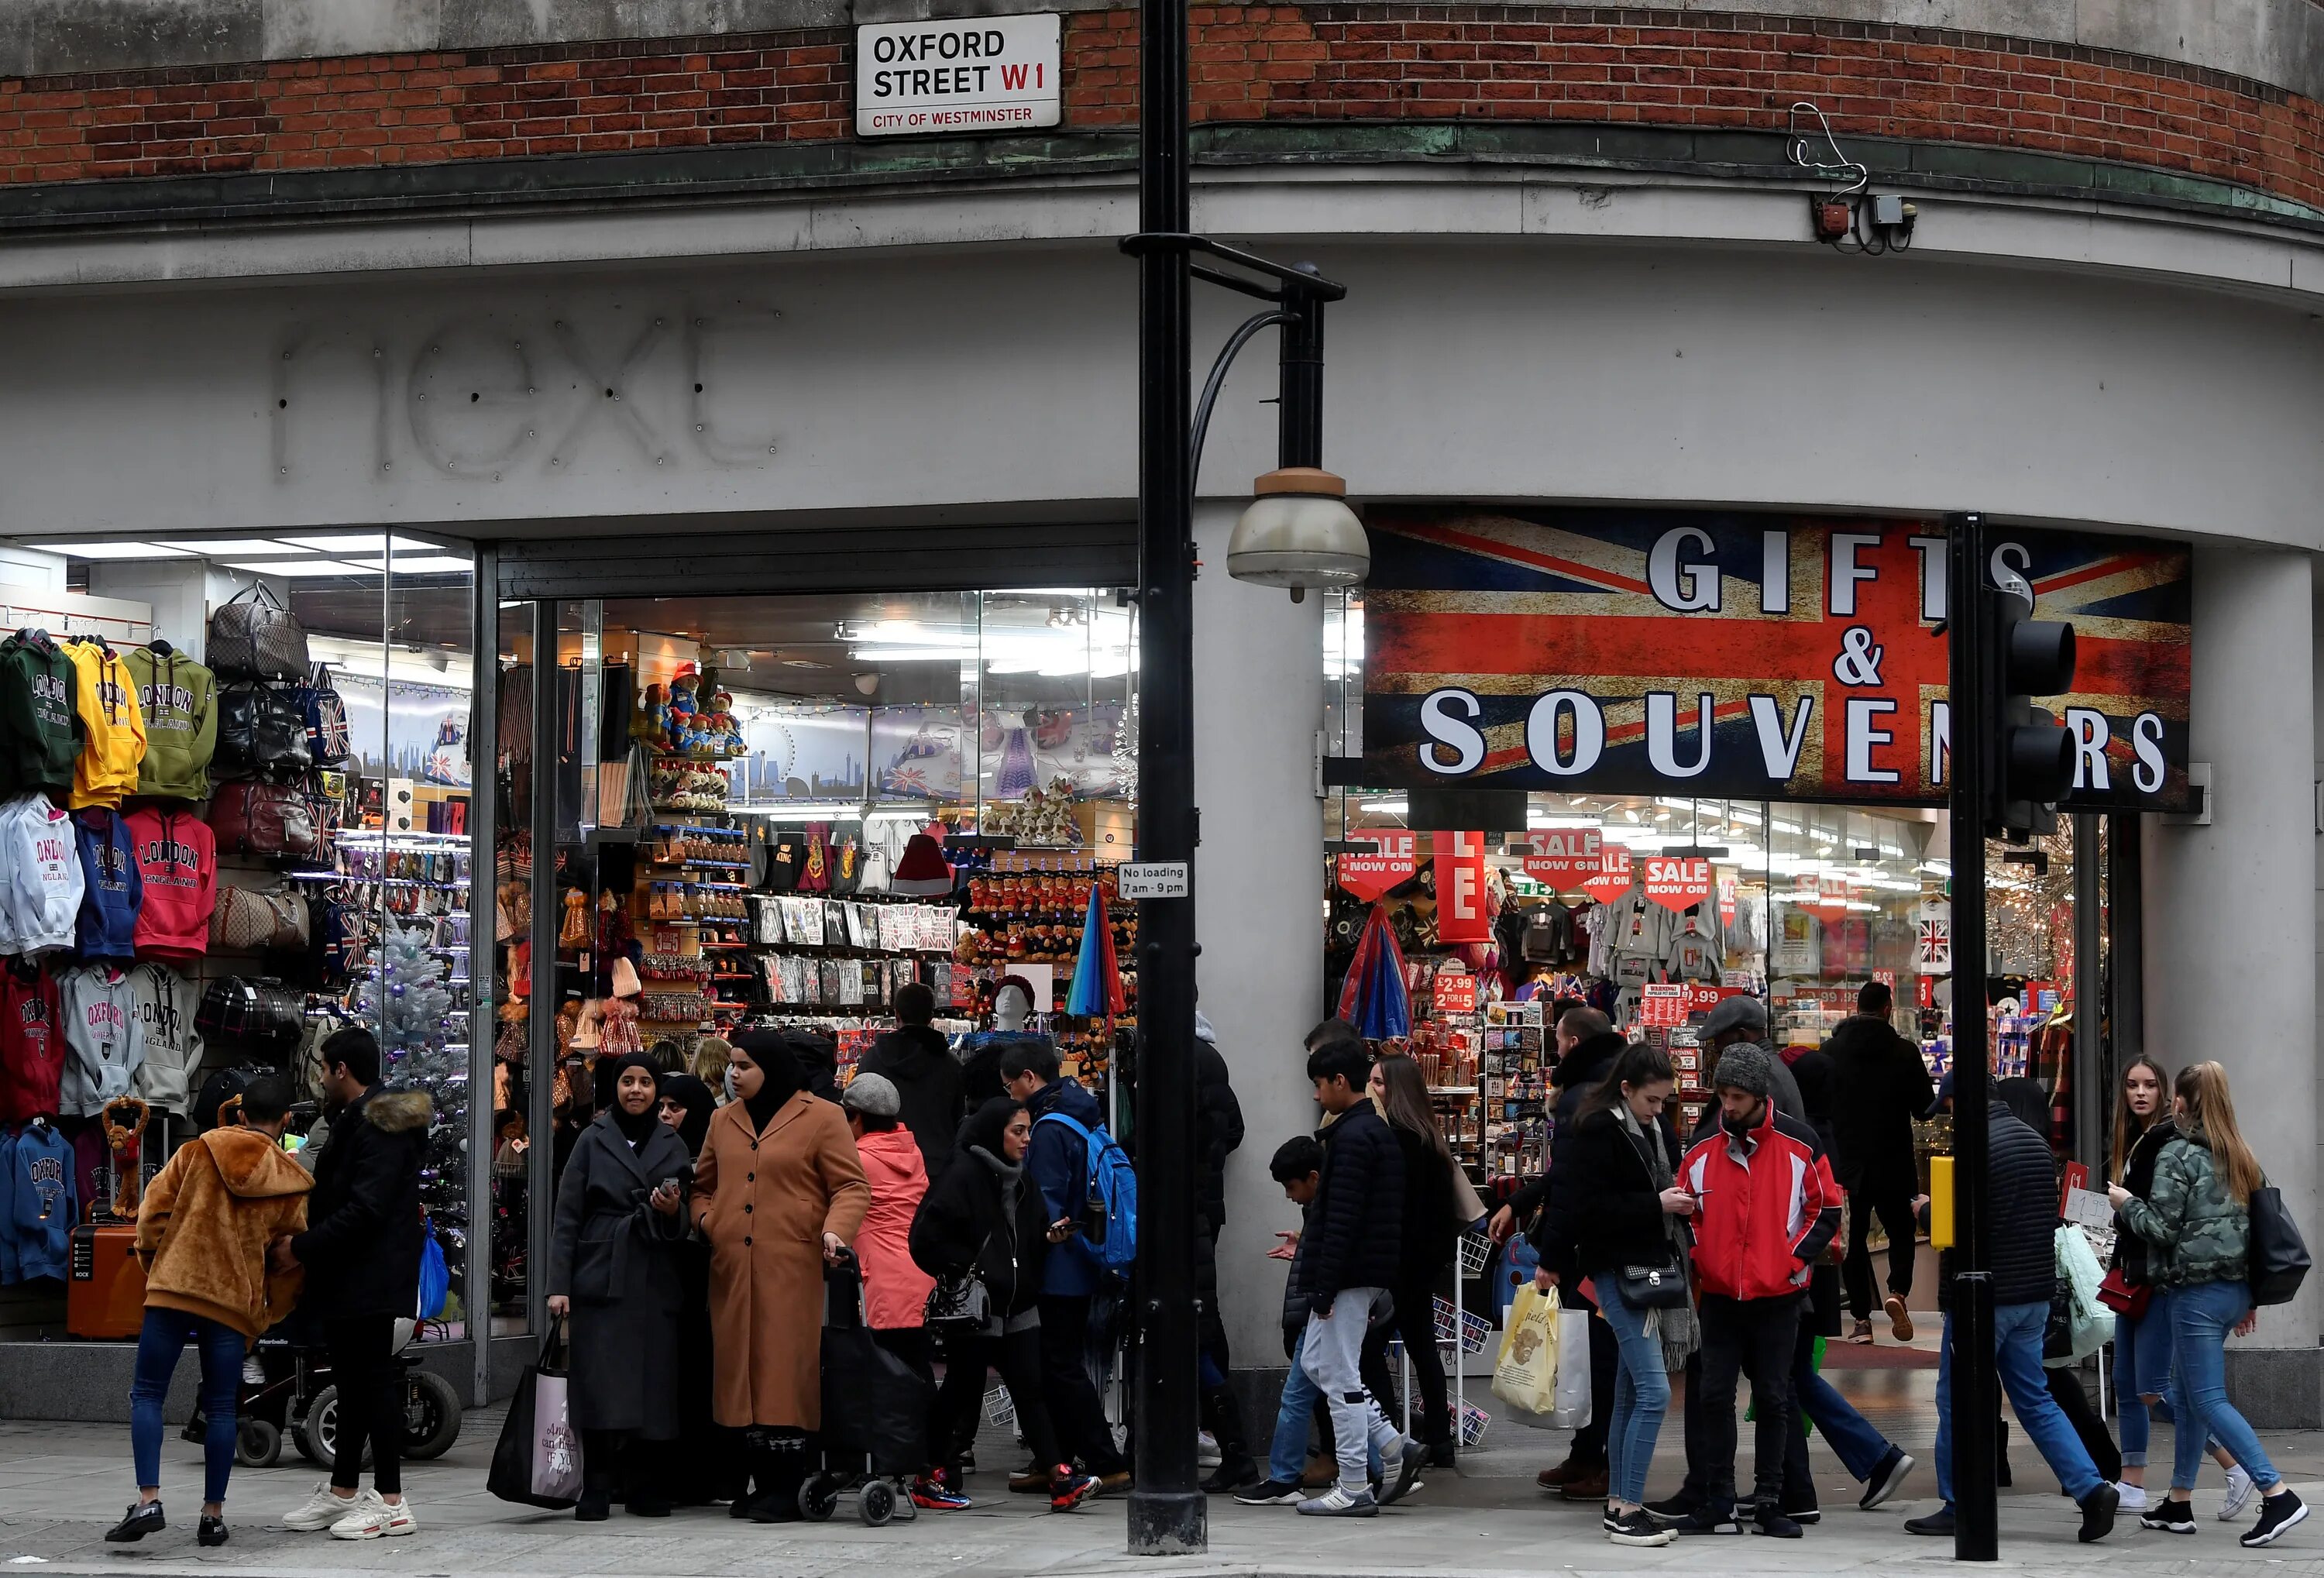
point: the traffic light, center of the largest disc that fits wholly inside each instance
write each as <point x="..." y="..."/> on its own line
<point x="2032" y="753"/>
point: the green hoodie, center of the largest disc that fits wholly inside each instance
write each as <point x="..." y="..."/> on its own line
<point x="39" y="731"/>
<point x="179" y="697"/>
<point x="2198" y="1232"/>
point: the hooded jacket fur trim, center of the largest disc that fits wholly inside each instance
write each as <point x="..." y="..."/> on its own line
<point x="205" y="1223"/>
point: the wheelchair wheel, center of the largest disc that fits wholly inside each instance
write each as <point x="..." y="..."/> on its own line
<point x="257" y="1443"/>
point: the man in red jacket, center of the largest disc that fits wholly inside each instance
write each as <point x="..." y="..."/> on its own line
<point x="1765" y="1207"/>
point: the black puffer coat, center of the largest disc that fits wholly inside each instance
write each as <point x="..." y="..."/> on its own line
<point x="1217" y="1130"/>
<point x="1878" y="1086"/>
<point x="960" y="1224"/>
<point x="1357" y="1220"/>
<point x="361" y="1248"/>
<point x="2025" y="1204"/>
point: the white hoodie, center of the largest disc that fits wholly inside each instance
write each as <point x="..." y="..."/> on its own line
<point x="40" y="876"/>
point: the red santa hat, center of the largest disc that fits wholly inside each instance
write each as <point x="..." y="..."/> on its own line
<point x="923" y="871"/>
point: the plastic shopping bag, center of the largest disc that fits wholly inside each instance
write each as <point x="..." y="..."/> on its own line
<point x="1571" y="1409"/>
<point x="1524" y="1374"/>
<point x="537" y="1459"/>
<point x="2089" y="1323"/>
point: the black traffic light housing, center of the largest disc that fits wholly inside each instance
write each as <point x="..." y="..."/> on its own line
<point x="2032" y="753"/>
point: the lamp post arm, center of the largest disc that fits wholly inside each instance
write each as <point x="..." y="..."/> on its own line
<point x="1233" y="348"/>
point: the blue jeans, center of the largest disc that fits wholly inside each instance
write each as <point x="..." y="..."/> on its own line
<point x="2200" y="1318"/>
<point x="1860" y="1446"/>
<point x="2141" y="1368"/>
<point x="2018" y="1331"/>
<point x="1287" y="1459"/>
<point x="164" y="1337"/>
<point x="1641" y="1396"/>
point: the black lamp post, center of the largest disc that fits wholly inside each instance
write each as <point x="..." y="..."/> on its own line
<point x="1167" y="1515"/>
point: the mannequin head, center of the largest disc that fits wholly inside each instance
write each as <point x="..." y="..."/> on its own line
<point x="1009" y="1007"/>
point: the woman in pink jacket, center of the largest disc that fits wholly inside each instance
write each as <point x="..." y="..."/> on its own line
<point x="895" y="1290"/>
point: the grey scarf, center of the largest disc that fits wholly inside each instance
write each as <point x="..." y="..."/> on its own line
<point x="1676" y="1327"/>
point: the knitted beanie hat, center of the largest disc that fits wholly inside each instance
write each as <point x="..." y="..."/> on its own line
<point x="1745" y="1067"/>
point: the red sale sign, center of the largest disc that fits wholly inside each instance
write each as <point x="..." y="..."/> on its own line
<point x="1726" y="888"/>
<point x="1677" y="883"/>
<point x="1368" y="876"/>
<point x="1455" y="992"/>
<point x="1461" y="915"/>
<point x="1563" y="857"/>
<point x="1613" y="878"/>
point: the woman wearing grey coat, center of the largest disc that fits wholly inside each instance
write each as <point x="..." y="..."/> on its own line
<point x="612" y="1268"/>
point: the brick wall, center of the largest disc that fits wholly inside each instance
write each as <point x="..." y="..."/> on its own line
<point x="1315" y="62"/>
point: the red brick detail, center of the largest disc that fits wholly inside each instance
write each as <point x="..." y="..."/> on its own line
<point x="1248" y="64"/>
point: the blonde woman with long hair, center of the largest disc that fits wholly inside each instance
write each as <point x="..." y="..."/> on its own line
<point x="2196" y="1222"/>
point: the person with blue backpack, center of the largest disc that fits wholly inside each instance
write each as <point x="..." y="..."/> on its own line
<point x="1075" y="1162"/>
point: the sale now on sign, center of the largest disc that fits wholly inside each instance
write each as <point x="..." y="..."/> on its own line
<point x="1368" y="876"/>
<point x="1677" y="882"/>
<point x="1562" y="856"/>
<point x="974" y="74"/>
<point x="1613" y="878"/>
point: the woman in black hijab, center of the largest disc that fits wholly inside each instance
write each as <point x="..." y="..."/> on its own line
<point x="708" y="1452"/>
<point x="613" y="1270"/>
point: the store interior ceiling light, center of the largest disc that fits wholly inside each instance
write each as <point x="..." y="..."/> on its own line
<point x="1388" y="807"/>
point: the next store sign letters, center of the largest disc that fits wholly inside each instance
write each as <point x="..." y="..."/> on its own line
<point x="1644" y="651"/>
<point x="977" y="74"/>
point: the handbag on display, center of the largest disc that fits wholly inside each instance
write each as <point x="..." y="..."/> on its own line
<point x="248" y="921"/>
<point x="252" y="1015"/>
<point x="253" y="636"/>
<point x="262" y="730"/>
<point x="256" y="817"/>
<point x="329" y="741"/>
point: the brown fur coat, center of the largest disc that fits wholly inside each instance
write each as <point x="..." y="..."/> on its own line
<point x="205" y="1224"/>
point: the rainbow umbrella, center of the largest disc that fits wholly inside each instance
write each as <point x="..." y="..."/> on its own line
<point x="1097" y="973"/>
<point x="1372" y="997"/>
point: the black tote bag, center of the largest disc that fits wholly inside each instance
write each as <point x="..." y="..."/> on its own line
<point x="872" y="1401"/>
<point x="2277" y="1257"/>
<point x="537" y="1459"/>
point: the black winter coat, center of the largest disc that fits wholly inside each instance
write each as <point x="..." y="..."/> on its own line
<point x="616" y="1258"/>
<point x="1604" y="1209"/>
<point x="1811" y="1071"/>
<point x="1217" y="1130"/>
<point x="1577" y="1073"/>
<point x="1425" y="1245"/>
<point x="2025" y="1207"/>
<point x="361" y="1248"/>
<point x="1357" y="1219"/>
<point x="960" y="1225"/>
<point x="932" y="1085"/>
<point x="2134" y="1255"/>
<point x="1878" y="1086"/>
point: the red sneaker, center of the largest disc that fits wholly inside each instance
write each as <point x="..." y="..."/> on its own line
<point x="1068" y="1490"/>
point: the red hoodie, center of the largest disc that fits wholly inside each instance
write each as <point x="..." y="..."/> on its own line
<point x="177" y="855"/>
<point x="32" y="1041"/>
<point x="895" y="1289"/>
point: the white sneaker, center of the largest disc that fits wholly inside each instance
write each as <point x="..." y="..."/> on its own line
<point x="320" y="1509"/>
<point x="1206" y="1451"/>
<point x="377" y="1520"/>
<point x="2239" y="1494"/>
<point x="2133" y="1497"/>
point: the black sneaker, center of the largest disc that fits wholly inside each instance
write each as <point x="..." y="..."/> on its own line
<point x="1707" y="1520"/>
<point x="1232" y="1474"/>
<point x="210" y="1531"/>
<point x="1273" y="1493"/>
<point x="2169" y="1517"/>
<point x="2277" y="1513"/>
<point x="146" y="1518"/>
<point x="1772" y="1522"/>
<point x="1673" y="1510"/>
<point x="1938" y="1524"/>
<point x="1407" y="1472"/>
<point x="1809" y="1512"/>
<point x="1634" y="1528"/>
<point x="2098" y="1509"/>
<point x="1888" y="1479"/>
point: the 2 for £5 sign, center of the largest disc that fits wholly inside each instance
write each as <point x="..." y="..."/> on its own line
<point x="979" y="74"/>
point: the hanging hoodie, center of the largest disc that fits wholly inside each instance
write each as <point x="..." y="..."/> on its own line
<point x="166" y="1001"/>
<point x="35" y="1236"/>
<point x="113" y="731"/>
<point x="40" y="728"/>
<point x="111" y="889"/>
<point x="177" y="861"/>
<point x="40" y="876"/>
<point x="178" y="700"/>
<point x="101" y="1028"/>
<point x="31" y="1042"/>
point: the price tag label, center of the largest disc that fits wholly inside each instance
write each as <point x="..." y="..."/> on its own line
<point x="1456" y="993"/>
<point x="1161" y="879"/>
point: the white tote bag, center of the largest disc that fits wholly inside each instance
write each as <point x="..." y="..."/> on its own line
<point x="1572" y="1411"/>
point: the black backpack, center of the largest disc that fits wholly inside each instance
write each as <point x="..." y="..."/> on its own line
<point x="2276" y="1259"/>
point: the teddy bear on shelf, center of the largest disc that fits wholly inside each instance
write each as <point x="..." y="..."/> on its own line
<point x="685" y="723"/>
<point x="721" y="729"/>
<point x="650" y="721"/>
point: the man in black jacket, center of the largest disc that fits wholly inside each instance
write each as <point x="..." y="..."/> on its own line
<point x="926" y="1075"/>
<point x="1355" y="1226"/>
<point x="361" y="1251"/>
<point x="1878" y="1086"/>
<point x="1217" y="1131"/>
<point x="2022" y="1206"/>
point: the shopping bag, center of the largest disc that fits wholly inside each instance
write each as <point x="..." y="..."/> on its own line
<point x="2279" y="1255"/>
<point x="2089" y="1323"/>
<point x="1571" y="1409"/>
<point x="537" y="1459"/>
<point x="1525" y="1371"/>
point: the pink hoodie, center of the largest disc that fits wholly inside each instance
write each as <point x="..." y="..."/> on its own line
<point x="895" y="1290"/>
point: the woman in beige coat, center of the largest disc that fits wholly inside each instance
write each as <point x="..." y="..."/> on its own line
<point x="778" y="1192"/>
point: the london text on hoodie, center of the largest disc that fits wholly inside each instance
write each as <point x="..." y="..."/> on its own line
<point x="40" y="727"/>
<point x="113" y="731"/>
<point x="166" y="1001"/>
<point x="111" y="889"/>
<point x="177" y="861"/>
<point x="41" y="1205"/>
<point x="99" y="1003"/>
<point x="179" y="699"/>
<point x="40" y="876"/>
<point x="31" y="1042"/>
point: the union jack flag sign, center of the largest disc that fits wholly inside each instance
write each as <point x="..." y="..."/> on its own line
<point x="1639" y="651"/>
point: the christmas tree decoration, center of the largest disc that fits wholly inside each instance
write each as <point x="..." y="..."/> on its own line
<point x="424" y="1046"/>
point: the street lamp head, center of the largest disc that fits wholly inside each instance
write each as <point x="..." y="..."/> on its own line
<point x="1298" y="532"/>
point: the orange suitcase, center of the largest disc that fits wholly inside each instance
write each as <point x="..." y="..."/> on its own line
<point x="105" y="1294"/>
